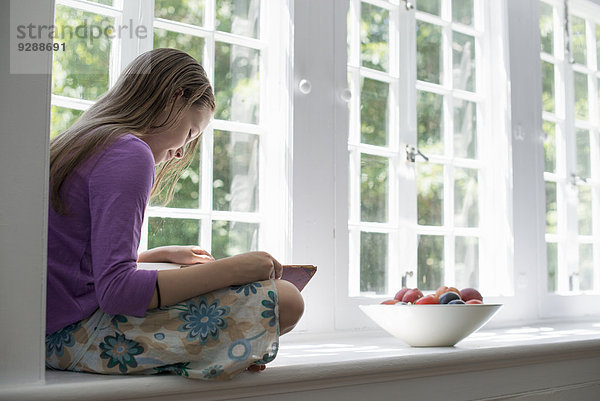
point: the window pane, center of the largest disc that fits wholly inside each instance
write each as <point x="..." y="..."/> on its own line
<point x="430" y="197"/>
<point x="430" y="256"/>
<point x="463" y="56"/>
<point x="466" y="271"/>
<point x="462" y="11"/>
<point x="61" y="119"/>
<point x="465" y="129"/>
<point x="551" y="207"/>
<point x="584" y="210"/>
<point x="586" y="267"/>
<point x="466" y="198"/>
<point x="430" y="119"/>
<point x="186" y="11"/>
<point x="374" y="112"/>
<point x="578" y="39"/>
<point x="235" y="172"/>
<point x="167" y="231"/>
<point x="190" y="44"/>
<point x="105" y="2"/>
<point x="548" y="86"/>
<point x="238" y="17"/>
<point x="581" y="95"/>
<point x="430" y="6"/>
<point x="187" y="190"/>
<point x="82" y="70"/>
<point x="552" y="263"/>
<point x="547" y="27"/>
<point x="374" y="188"/>
<point x="237" y="83"/>
<point x="374" y="37"/>
<point x="373" y="262"/>
<point x="233" y="237"/>
<point x="429" y="52"/>
<point x="583" y="153"/>
<point x="549" y="146"/>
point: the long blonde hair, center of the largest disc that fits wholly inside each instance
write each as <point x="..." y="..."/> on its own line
<point x="146" y="88"/>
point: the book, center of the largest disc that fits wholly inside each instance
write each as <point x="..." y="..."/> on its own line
<point x="299" y="275"/>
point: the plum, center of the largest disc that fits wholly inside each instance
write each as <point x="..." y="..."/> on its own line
<point x="468" y="294"/>
<point x="456" y="302"/>
<point x="449" y="296"/>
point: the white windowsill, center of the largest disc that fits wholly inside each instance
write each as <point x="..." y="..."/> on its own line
<point x="324" y="361"/>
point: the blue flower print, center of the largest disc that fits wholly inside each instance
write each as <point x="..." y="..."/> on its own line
<point x="118" y="319"/>
<point x="239" y="350"/>
<point x="246" y="288"/>
<point x="180" y="368"/>
<point x="270" y="305"/>
<point x="212" y="371"/>
<point x="57" y="341"/>
<point x="269" y="356"/>
<point x="120" y="351"/>
<point x="203" y="321"/>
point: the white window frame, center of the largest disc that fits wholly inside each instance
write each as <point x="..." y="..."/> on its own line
<point x="563" y="301"/>
<point x="492" y="118"/>
<point x="318" y="156"/>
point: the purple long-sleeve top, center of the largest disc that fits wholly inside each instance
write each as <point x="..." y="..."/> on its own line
<point x="92" y="251"/>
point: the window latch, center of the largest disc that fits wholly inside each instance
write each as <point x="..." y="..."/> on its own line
<point x="409" y="6"/>
<point x="412" y="152"/>
<point x="575" y="179"/>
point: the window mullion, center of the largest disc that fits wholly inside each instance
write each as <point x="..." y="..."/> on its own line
<point x="140" y="13"/>
<point x="568" y="270"/>
<point x="406" y="176"/>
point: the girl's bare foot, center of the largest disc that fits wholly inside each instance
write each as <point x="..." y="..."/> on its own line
<point x="256" y="368"/>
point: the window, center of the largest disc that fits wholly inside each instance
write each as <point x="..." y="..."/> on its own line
<point x="220" y="201"/>
<point x="421" y="144"/>
<point x="427" y="160"/>
<point x="82" y="73"/>
<point x="571" y="124"/>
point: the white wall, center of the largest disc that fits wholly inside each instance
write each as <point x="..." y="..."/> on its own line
<point x="24" y="133"/>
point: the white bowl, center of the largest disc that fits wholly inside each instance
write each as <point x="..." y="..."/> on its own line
<point x="431" y="325"/>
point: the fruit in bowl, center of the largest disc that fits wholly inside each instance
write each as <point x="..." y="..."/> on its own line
<point x="440" y="319"/>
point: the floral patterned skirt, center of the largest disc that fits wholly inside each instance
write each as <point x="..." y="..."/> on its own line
<point x="213" y="336"/>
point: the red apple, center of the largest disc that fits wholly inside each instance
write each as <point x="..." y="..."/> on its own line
<point x="390" y="302"/>
<point x="401" y="293"/>
<point x="412" y="295"/>
<point x="427" y="300"/>
<point x="470" y="293"/>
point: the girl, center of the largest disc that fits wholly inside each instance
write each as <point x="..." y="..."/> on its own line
<point x="211" y="319"/>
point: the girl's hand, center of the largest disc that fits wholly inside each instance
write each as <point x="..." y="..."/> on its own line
<point x="178" y="254"/>
<point x="253" y="266"/>
<point x="188" y="255"/>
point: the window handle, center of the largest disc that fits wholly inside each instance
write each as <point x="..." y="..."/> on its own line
<point x="412" y="152"/>
<point x="575" y="179"/>
<point x="409" y="6"/>
<point x="405" y="277"/>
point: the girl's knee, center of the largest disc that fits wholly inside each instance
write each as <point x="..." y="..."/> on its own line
<point x="291" y="305"/>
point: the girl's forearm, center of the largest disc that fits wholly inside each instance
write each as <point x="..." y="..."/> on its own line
<point x="155" y="255"/>
<point x="177" y="285"/>
<point x="180" y="284"/>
